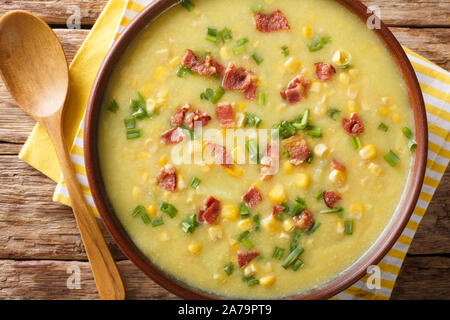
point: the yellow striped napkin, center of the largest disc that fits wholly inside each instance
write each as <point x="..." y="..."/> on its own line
<point x="435" y="84"/>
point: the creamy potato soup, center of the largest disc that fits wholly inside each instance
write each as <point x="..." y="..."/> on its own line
<point x="312" y="195"/>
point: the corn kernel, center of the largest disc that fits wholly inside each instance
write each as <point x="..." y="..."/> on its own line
<point x="321" y="108"/>
<point x="383" y="111"/>
<point x="240" y="120"/>
<point x="235" y="171"/>
<point x="277" y="193"/>
<point x="288" y="225"/>
<point x="245" y="224"/>
<point x="356" y="210"/>
<point x="163" y="94"/>
<point x="302" y="180"/>
<point x="230" y="212"/>
<point x="284" y="236"/>
<point x="337" y="177"/>
<point x="267" y="281"/>
<point x="194" y="247"/>
<point x="351" y="106"/>
<point x="136" y="193"/>
<point x="160" y="73"/>
<point x="368" y="152"/>
<point x="256" y="44"/>
<point x="341" y="58"/>
<point x="147" y="89"/>
<point x="151" y="210"/>
<point x="224" y="53"/>
<point x="250" y="269"/>
<point x="307" y="32"/>
<point x="288" y="168"/>
<point x="352" y="91"/>
<point x="292" y="65"/>
<point x="397" y="118"/>
<point x="344" y="78"/>
<point x="375" y="169"/>
<point x="270" y="224"/>
<point x="215" y="232"/>
<point x="234" y="248"/>
<point x="242" y="106"/>
<point x="316" y="86"/>
<point x="340" y="228"/>
<point x="175" y="62"/>
<point x="181" y="183"/>
<point x="164" y="236"/>
<point x="321" y="150"/>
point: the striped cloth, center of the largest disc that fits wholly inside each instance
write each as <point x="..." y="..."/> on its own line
<point x="435" y="84"/>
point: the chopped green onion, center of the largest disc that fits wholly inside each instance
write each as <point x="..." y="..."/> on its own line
<point x="383" y="127"/>
<point x="242" y="41"/>
<point x="211" y="35"/>
<point x="317" y="43"/>
<point x="113" y="106"/>
<point x="217" y="95"/>
<point x="334" y="210"/>
<point x="195" y="182"/>
<point x="298" y="250"/>
<point x="278" y="253"/>
<point x="296" y="207"/>
<point x="133" y="134"/>
<point x="356" y="142"/>
<point x="286" y="129"/>
<point x="285" y="50"/>
<point x="297" y="264"/>
<point x="169" y="209"/>
<point x="407" y="132"/>
<point x="310" y="159"/>
<point x="314" y="131"/>
<point x="137" y="103"/>
<point x="207" y="94"/>
<point x="391" y="158"/>
<point x="188" y="5"/>
<point x="257" y="221"/>
<point x="257" y="58"/>
<point x="247" y="243"/>
<point x="286" y="154"/>
<point x="295" y="238"/>
<point x="239" y="50"/>
<point x="349" y="227"/>
<point x="182" y="71"/>
<point x="157" y="222"/>
<point x="225" y="34"/>
<point x="333" y="113"/>
<point x="315" y="226"/>
<point x="253" y="151"/>
<point x="257" y="8"/>
<point x="243" y="236"/>
<point x="138" y="211"/>
<point x="229" y="268"/>
<point x="189" y="224"/>
<point x="140" y="114"/>
<point x="252" y="120"/>
<point x="145" y="218"/>
<point x="303" y="124"/>
<point x="250" y="281"/>
<point x="412" y="145"/>
<point x="130" y="123"/>
<point x="318" y="196"/>
<point x="261" y="99"/>
<point x="243" y="211"/>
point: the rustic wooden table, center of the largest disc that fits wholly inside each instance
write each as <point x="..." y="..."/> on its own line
<point x="39" y="239"/>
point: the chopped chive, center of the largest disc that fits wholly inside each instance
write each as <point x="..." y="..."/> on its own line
<point x="298" y="250"/>
<point x="412" y="145"/>
<point x="182" y="71"/>
<point x="345" y="66"/>
<point x="252" y="120"/>
<point x="285" y="50"/>
<point x="310" y="159"/>
<point x="138" y="211"/>
<point x="247" y="243"/>
<point x="257" y="58"/>
<point x="169" y="209"/>
<point x="333" y="113"/>
<point x="315" y="226"/>
<point x="278" y="253"/>
<point x="211" y="35"/>
<point x="318" y="196"/>
<point x="383" y="127"/>
<point x="130" y="123"/>
<point x="137" y="103"/>
<point x="297" y="264"/>
<point x="145" y="218"/>
<point x="242" y="41"/>
<point x="318" y="43"/>
<point x="314" y="131"/>
<point x="285" y="129"/>
<point x="296" y="207"/>
<point x="243" y="236"/>
<point x="218" y="94"/>
<point x="157" y="222"/>
<point x="356" y="143"/>
<point x="113" y="106"/>
<point x="195" y="182"/>
<point x="133" y="134"/>
<point x="257" y="8"/>
<point x="303" y="124"/>
<point x="294" y="239"/>
<point x="239" y="50"/>
<point x="207" y="94"/>
<point x="228" y="269"/>
<point x="349" y="227"/>
<point x="187" y="4"/>
<point x="391" y="158"/>
<point x="257" y="221"/>
<point x="253" y="151"/>
<point x="250" y="281"/>
<point x="261" y="99"/>
<point x="334" y="210"/>
<point x="286" y="154"/>
<point x="243" y="211"/>
<point x="225" y="34"/>
<point x="189" y="224"/>
<point x="140" y="114"/>
<point x="407" y="132"/>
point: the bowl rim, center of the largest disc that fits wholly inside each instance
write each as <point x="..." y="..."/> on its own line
<point x="349" y="276"/>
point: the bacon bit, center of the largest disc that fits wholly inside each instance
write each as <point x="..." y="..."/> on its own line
<point x="167" y="178"/>
<point x="270" y="22"/>
<point x="243" y="258"/>
<point x="296" y="90"/>
<point x="210" y="211"/>
<point x="353" y="126"/>
<point x="277" y="209"/>
<point x="298" y="149"/>
<point x="237" y="78"/>
<point x="221" y="155"/>
<point x="268" y="162"/>
<point x="172" y="136"/>
<point x="178" y="117"/>
<point x="305" y="221"/>
<point x="224" y="114"/>
<point x="197" y="65"/>
<point x="197" y="115"/>
<point x="337" y="165"/>
<point x="252" y="197"/>
<point x="220" y="69"/>
<point x="250" y="92"/>
<point x="324" y="71"/>
<point x="331" y="198"/>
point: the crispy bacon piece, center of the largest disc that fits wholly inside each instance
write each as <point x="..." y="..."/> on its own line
<point x="237" y="78"/>
<point x="178" y="117"/>
<point x="296" y="90"/>
<point x="243" y="258"/>
<point x="224" y="114"/>
<point x="172" y="136"/>
<point x="305" y="221"/>
<point x="277" y="209"/>
<point x="191" y="61"/>
<point x="197" y="115"/>
<point x="220" y="69"/>
<point x="252" y="197"/>
<point x="270" y="22"/>
<point x="324" y="71"/>
<point x="250" y="92"/>
<point x="268" y="162"/>
<point x="331" y="198"/>
<point x="167" y="178"/>
<point x="353" y="125"/>
<point x="337" y="165"/>
<point x="221" y="155"/>
<point x="210" y="211"/>
<point x="298" y="149"/>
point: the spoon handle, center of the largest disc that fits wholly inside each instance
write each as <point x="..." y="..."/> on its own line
<point x="106" y="275"/>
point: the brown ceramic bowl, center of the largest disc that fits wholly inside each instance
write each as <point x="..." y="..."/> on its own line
<point x="352" y="274"/>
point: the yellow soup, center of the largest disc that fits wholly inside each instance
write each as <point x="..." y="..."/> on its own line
<point x="309" y="68"/>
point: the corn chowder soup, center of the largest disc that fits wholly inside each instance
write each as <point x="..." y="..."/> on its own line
<point x="308" y="70"/>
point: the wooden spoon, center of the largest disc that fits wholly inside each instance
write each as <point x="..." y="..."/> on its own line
<point x="34" y="68"/>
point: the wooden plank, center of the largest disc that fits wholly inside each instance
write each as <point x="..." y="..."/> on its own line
<point x="393" y="13"/>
